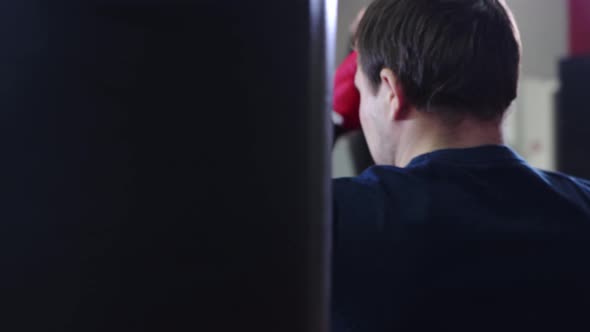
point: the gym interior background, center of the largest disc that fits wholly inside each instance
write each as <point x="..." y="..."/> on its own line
<point x="553" y="32"/>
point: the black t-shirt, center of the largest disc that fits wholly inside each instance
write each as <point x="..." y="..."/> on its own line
<point x="461" y="240"/>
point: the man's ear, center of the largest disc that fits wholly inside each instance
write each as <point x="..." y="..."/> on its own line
<point x="396" y="99"/>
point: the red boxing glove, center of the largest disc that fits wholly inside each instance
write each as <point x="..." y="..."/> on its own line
<point x="347" y="99"/>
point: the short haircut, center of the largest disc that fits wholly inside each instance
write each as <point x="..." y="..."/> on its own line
<point x="457" y="55"/>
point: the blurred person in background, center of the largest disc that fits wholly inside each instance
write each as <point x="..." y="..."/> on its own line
<point x="452" y="230"/>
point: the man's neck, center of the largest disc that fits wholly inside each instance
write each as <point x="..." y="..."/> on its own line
<point x="427" y="135"/>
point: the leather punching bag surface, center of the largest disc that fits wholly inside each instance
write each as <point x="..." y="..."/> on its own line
<point x="164" y="166"/>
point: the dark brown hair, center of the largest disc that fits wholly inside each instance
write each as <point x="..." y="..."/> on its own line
<point x="459" y="55"/>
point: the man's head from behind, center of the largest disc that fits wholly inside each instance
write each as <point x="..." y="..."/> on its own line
<point x="444" y="59"/>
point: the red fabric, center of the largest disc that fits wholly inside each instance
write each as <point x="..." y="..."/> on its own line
<point x="346" y="97"/>
<point x="579" y="13"/>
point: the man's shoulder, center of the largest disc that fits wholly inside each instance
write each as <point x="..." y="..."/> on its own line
<point x="566" y="178"/>
<point x="377" y="174"/>
<point x="373" y="180"/>
<point x="379" y="190"/>
<point x="430" y="187"/>
<point x="571" y="186"/>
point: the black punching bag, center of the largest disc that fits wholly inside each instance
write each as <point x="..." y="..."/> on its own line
<point x="165" y="165"/>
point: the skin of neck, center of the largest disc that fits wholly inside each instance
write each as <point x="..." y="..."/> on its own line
<point x="426" y="132"/>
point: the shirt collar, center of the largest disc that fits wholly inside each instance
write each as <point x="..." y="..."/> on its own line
<point x="487" y="154"/>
